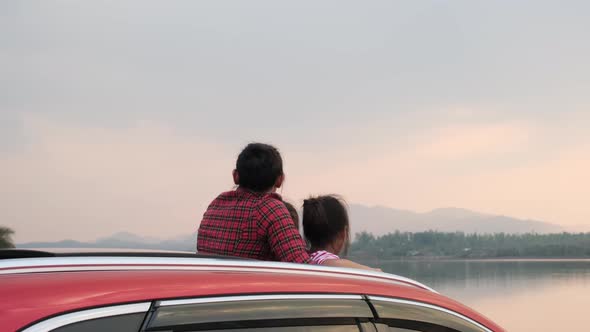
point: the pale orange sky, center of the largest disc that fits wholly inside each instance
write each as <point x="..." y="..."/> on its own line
<point x="87" y="182"/>
<point x="128" y="115"/>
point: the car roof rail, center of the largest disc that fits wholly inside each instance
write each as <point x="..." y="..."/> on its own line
<point x="106" y="260"/>
<point x="146" y="254"/>
<point x="34" y="253"/>
<point x="24" y="253"/>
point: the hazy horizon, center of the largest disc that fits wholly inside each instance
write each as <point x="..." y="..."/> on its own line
<point x="380" y="220"/>
<point x="129" y="114"/>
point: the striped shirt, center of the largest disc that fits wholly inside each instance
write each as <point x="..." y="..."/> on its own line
<point x="320" y="256"/>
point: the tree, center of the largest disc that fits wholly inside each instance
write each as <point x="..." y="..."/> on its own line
<point x="438" y="244"/>
<point x="6" y="237"/>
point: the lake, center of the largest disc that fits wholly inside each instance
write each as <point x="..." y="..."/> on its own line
<point x="520" y="295"/>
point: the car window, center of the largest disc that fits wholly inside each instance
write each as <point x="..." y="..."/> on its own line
<point x="286" y="314"/>
<point x="317" y="328"/>
<point x="404" y="316"/>
<point x="385" y="327"/>
<point x="411" y="326"/>
<point x="368" y="327"/>
<point x="122" y="323"/>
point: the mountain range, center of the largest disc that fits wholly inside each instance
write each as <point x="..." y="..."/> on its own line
<point x="123" y="240"/>
<point x="382" y="220"/>
<point x="376" y="220"/>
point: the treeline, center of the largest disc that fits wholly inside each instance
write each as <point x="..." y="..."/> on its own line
<point x="461" y="245"/>
<point x="6" y="237"/>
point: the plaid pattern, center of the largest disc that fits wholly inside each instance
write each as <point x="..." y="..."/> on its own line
<point x="254" y="225"/>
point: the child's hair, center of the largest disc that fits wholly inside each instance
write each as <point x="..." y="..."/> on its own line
<point x="324" y="218"/>
<point x="259" y="166"/>
<point x="293" y="213"/>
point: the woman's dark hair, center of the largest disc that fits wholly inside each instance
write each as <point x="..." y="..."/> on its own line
<point x="293" y="213"/>
<point x="259" y="166"/>
<point x="324" y="218"/>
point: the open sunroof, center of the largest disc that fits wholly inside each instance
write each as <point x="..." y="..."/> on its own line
<point x="32" y="253"/>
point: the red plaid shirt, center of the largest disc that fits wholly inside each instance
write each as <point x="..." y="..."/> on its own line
<point x="247" y="224"/>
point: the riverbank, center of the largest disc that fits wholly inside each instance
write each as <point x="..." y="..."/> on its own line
<point x="459" y="259"/>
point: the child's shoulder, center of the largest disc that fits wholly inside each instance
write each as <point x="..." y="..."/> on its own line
<point x="272" y="201"/>
<point x="320" y="256"/>
<point x="265" y="202"/>
<point x="225" y="196"/>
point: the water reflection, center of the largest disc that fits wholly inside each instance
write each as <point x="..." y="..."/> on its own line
<point x="521" y="295"/>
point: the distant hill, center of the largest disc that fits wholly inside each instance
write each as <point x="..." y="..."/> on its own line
<point x="128" y="237"/>
<point x="382" y="220"/>
<point x="376" y="220"/>
<point x="122" y="240"/>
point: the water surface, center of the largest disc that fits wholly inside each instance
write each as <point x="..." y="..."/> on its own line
<point x="520" y="295"/>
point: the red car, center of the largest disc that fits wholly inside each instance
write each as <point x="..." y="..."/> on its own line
<point x="71" y="292"/>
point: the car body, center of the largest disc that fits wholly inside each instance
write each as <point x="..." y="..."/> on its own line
<point x="189" y="292"/>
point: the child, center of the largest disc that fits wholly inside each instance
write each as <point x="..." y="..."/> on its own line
<point x="293" y="212"/>
<point x="326" y="229"/>
<point x="252" y="221"/>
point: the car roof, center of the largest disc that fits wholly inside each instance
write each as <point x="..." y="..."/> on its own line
<point x="19" y="261"/>
<point x="72" y="252"/>
<point x="38" y="287"/>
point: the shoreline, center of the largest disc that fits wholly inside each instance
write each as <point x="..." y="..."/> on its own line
<point x="483" y="259"/>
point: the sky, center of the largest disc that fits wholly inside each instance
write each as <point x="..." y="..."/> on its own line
<point x="129" y="115"/>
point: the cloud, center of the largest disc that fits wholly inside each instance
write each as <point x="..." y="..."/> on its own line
<point x="468" y="141"/>
<point x="554" y="189"/>
<point x="506" y="168"/>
